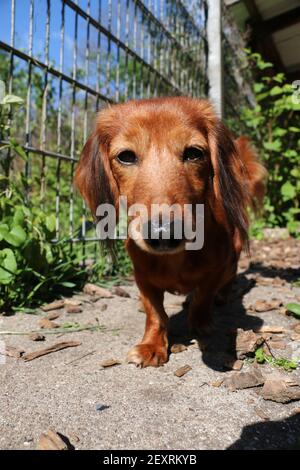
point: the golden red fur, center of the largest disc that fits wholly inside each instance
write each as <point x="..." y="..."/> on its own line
<point x="226" y="180"/>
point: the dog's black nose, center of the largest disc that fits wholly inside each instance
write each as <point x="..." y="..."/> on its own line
<point x="163" y="235"/>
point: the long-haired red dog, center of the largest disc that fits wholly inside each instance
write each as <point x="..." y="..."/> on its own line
<point x="166" y="151"/>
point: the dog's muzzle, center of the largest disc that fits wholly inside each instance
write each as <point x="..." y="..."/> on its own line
<point x="163" y="235"/>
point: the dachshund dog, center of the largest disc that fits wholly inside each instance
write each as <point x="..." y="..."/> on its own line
<point x="173" y="151"/>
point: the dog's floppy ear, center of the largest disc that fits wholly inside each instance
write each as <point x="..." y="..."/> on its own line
<point x="229" y="184"/>
<point x="93" y="175"/>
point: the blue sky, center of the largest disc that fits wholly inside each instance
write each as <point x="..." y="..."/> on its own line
<point x="22" y="9"/>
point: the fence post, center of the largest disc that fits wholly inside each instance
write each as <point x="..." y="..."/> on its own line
<point x="215" y="66"/>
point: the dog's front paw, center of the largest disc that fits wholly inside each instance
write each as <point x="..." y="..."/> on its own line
<point x="148" y="354"/>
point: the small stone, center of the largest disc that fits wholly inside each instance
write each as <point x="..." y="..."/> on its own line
<point x="178" y="348"/>
<point x="101" y="407"/>
<point x="283" y="311"/>
<point x="51" y="440"/>
<point x="110" y="363"/>
<point x="94" y="290"/>
<point x="120" y="292"/>
<point x="103" y="307"/>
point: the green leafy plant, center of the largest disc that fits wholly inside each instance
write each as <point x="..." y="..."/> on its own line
<point x="274" y="127"/>
<point x="261" y="357"/>
<point x="32" y="268"/>
<point x="294" y="309"/>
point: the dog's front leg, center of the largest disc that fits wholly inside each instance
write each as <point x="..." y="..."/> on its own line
<point x="153" y="349"/>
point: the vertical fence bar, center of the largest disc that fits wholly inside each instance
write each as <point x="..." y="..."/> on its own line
<point x="214" y="37"/>
<point x="98" y="56"/>
<point x="134" y="48"/>
<point x="28" y="96"/>
<point x="73" y="118"/>
<point x="12" y="43"/>
<point x="43" y="137"/>
<point x="108" y="56"/>
<point x="85" y="126"/>
<point x="59" y="121"/>
<point x="126" y="53"/>
<point x="117" y="83"/>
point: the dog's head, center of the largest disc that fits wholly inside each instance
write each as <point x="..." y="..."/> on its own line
<point x="165" y="151"/>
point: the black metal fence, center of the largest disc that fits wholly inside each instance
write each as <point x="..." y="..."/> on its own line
<point x="67" y="59"/>
<point x="237" y="78"/>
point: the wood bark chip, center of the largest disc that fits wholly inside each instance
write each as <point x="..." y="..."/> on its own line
<point x="36" y="337"/>
<point x="261" y="414"/>
<point x="12" y="351"/>
<point x="271" y="329"/>
<point x="51" y="440"/>
<point x="241" y="380"/>
<point x="73" y="309"/>
<point x="280" y="390"/>
<point x="55" y="347"/>
<point x="269" y="281"/>
<point x="295" y="337"/>
<point x="54" y="305"/>
<point x="119" y="291"/>
<point x="178" y="348"/>
<point x="233" y="364"/>
<point x="110" y="363"/>
<point x="93" y="290"/>
<point x="276" y="344"/>
<point x="246" y="342"/>
<point x="182" y="371"/>
<point x="296" y="327"/>
<point x="72" y="303"/>
<point x="217" y="383"/>
<point x="46" y="324"/>
<point x="53" y="316"/>
<point x="266" y="306"/>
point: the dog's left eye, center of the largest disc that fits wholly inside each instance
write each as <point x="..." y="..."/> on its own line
<point x="191" y="154"/>
<point x="127" y="158"/>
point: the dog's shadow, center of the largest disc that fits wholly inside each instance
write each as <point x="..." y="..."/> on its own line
<point x="219" y="347"/>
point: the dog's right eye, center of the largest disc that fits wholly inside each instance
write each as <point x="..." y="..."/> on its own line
<point x="127" y="158"/>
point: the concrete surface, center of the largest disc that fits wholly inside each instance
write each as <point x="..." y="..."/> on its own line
<point x="144" y="408"/>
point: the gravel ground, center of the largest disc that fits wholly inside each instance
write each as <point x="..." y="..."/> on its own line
<point x="123" y="407"/>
